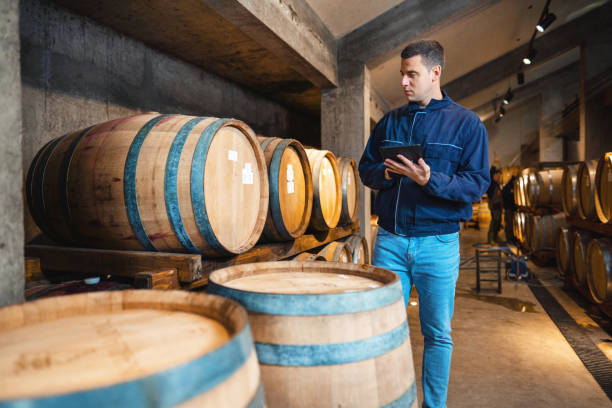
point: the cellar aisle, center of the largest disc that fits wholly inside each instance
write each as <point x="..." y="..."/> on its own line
<point x="508" y="352"/>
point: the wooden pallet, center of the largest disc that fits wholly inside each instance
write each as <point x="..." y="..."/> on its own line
<point x="153" y="269"/>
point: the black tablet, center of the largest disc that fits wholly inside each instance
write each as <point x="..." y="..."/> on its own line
<point x="411" y="152"/>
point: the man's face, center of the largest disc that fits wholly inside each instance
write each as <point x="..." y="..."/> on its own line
<point x="417" y="80"/>
<point x="497" y="177"/>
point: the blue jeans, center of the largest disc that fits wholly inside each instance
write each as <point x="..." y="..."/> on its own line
<point x="432" y="265"/>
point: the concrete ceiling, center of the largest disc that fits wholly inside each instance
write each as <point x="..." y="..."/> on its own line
<point x="480" y="38"/>
<point x="343" y="16"/>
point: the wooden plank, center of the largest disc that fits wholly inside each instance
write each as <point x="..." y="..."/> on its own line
<point x="33" y="272"/>
<point x="274" y="251"/>
<point x="157" y="279"/>
<point x="114" y="262"/>
<point x="598" y="228"/>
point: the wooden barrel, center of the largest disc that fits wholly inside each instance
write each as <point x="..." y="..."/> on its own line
<point x="585" y="185"/>
<point x="544" y="188"/>
<point x="360" y="251"/>
<point x="542" y="231"/>
<point x="306" y="256"/>
<point x="153" y="182"/>
<point x="580" y="242"/>
<point x="569" y="182"/>
<point x="290" y="178"/>
<point x="349" y="177"/>
<point x="519" y="226"/>
<point x="563" y="251"/>
<point x="327" y="199"/>
<point x="603" y="189"/>
<point x="326" y="334"/>
<point x="484" y="215"/>
<point x="530" y="185"/>
<point x="128" y="348"/>
<point x="599" y="269"/>
<point x="337" y="251"/>
<point x="519" y="191"/>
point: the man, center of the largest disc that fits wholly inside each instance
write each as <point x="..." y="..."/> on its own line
<point x="495" y="206"/>
<point x="421" y="204"/>
<point x="509" y="209"/>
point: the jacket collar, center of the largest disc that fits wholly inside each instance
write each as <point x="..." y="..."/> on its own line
<point x="434" y="104"/>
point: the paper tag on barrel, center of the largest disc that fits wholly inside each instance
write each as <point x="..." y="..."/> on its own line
<point x="247" y="174"/>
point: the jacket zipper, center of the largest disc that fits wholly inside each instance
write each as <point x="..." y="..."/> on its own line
<point x="399" y="190"/>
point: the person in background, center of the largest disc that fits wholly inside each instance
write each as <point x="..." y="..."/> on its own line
<point x="509" y="208"/>
<point x="495" y="206"/>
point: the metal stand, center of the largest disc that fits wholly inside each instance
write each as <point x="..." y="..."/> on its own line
<point x="489" y="261"/>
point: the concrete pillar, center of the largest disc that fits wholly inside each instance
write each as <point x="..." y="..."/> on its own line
<point x="596" y="103"/>
<point x="345" y="124"/>
<point x="11" y="201"/>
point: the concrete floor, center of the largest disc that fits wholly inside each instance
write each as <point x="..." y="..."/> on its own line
<point x="508" y="352"/>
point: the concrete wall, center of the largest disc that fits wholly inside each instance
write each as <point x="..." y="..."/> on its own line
<point x="517" y="130"/>
<point x="76" y="73"/>
<point x="11" y="227"/>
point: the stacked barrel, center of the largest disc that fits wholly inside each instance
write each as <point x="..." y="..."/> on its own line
<point x="177" y="183"/>
<point x="584" y="250"/>
<point x="538" y="195"/>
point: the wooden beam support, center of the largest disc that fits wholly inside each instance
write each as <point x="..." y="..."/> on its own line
<point x="112" y="262"/>
<point x="375" y="42"/>
<point x="161" y="279"/>
<point x="289" y="29"/>
<point x="548" y="46"/>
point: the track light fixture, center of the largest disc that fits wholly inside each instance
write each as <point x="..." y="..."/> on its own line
<point x="530" y="56"/>
<point x="508" y="97"/>
<point x="502" y="111"/>
<point x="546" y="21"/>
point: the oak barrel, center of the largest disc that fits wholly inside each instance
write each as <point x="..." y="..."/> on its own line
<point x="580" y="242"/>
<point x="337" y="251"/>
<point x="349" y="179"/>
<point x="585" y="185"/>
<point x="170" y="183"/>
<point x="544" y="188"/>
<point x="603" y="189"/>
<point x="484" y="214"/>
<point x="128" y="348"/>
<point x="519" y="226"/>
<point x="290" y="178"/>
<point x="599" y="269"/>
<point x="563" y="251"/>
<point x="569" y="187"/>
<point x="326" y="334"/>
<point x="306" y="256"/>
<point x="360" y="251"/>
<point x="542" y="231"/>
<point x="327" y="198"/>
<point x="519" y="191"/>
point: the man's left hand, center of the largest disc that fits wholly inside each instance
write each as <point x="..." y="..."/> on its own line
<point x="418" y="172"/>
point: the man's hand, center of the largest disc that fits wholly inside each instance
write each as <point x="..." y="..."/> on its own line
<point x="418" y="172"/>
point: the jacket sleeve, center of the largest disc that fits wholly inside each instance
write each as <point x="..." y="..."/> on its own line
<point x="471" y="179"/>
<point x="371" y="166"/>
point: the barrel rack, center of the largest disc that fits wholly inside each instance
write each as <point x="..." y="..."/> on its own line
<point x="159" y="270"/>
<point x="596" y="227"/>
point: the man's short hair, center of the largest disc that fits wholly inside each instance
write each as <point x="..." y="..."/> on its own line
<point x="430" y="51"/>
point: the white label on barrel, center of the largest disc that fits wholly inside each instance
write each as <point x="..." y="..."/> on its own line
<point x="232" y="155"/>
<point x="343" y="276"/>
<point x="290" y="187"/>
<point x="289" y="172"/>
<point x="247" y="174"/>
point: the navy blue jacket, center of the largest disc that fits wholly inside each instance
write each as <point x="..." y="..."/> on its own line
<point x="455" y="146"/>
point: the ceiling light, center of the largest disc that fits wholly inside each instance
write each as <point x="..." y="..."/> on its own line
<point x="508" y="97"/>
<point x="502" y="111"/>
<point x="530" y="56"/>
<point x="520" y="78"/>
<point x="546" y="21"/>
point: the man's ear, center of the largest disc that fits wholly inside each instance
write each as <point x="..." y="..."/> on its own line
<point x="436" y="71"/>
